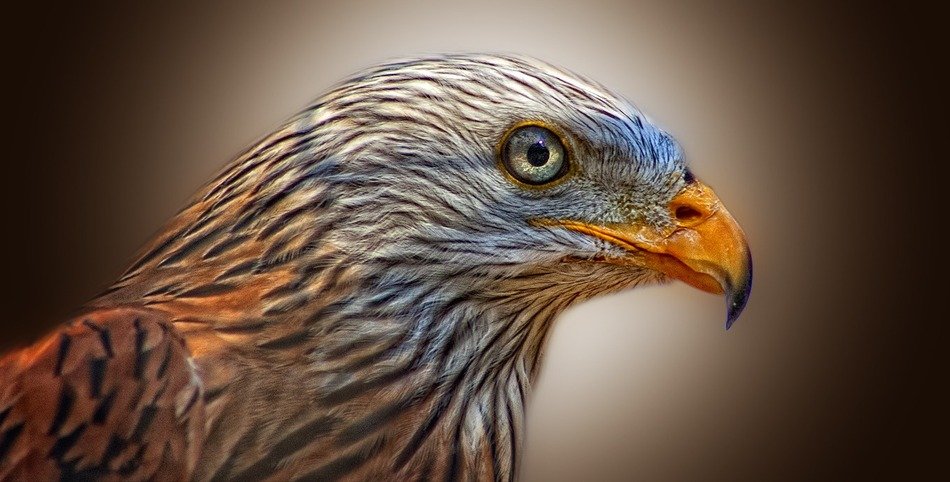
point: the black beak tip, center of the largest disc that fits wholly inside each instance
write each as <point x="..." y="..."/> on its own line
<point x="737" y="295"/>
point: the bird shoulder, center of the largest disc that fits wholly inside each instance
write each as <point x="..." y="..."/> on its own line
<point x="113" y="393"/>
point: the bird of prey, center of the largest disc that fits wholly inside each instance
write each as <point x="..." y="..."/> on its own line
<point x="366" y="292"/>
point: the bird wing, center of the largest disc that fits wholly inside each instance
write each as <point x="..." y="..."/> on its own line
<point x="112" y="395"/>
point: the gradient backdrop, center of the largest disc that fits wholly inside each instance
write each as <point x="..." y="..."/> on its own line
<point x="807" y="120"/>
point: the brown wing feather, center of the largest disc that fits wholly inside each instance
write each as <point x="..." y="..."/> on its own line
<point x="111" y="395"/>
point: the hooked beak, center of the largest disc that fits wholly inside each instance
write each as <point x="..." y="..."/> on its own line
<point x="706" y="248"/>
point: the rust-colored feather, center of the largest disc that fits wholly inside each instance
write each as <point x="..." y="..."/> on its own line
<point x="112" y="395"/>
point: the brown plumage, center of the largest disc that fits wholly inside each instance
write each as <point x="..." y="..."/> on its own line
<point x="113" y="393"/>
<point x="365" y="293"/>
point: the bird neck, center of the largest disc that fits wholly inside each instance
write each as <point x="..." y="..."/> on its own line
<point x="440" y="366"/>
<point x="451" y="358"/>
<point x="367" y="358"/>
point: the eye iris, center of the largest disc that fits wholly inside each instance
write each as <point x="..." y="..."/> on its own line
<point x="534" y="155"/>
<point x="538" y="154"/>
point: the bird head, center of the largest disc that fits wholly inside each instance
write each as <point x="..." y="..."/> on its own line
<point x="494" y="169"/>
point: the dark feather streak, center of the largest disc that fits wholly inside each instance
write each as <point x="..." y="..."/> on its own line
<point x="64" y="342"/>
<point x="105" y="338"/>
<point x="291" y="340"/>
<point x="289" y="445"/>
<point x="67" y="396"/>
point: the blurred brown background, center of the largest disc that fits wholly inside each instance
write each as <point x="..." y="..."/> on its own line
<point x="810" y="121"/>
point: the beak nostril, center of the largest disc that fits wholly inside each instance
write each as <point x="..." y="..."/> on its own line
<point x="687" y="214"/>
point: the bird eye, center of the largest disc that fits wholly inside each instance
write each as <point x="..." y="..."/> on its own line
<point x="534" y="155"/>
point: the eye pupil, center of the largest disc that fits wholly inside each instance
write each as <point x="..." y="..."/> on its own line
<point x="538" y="155"/>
